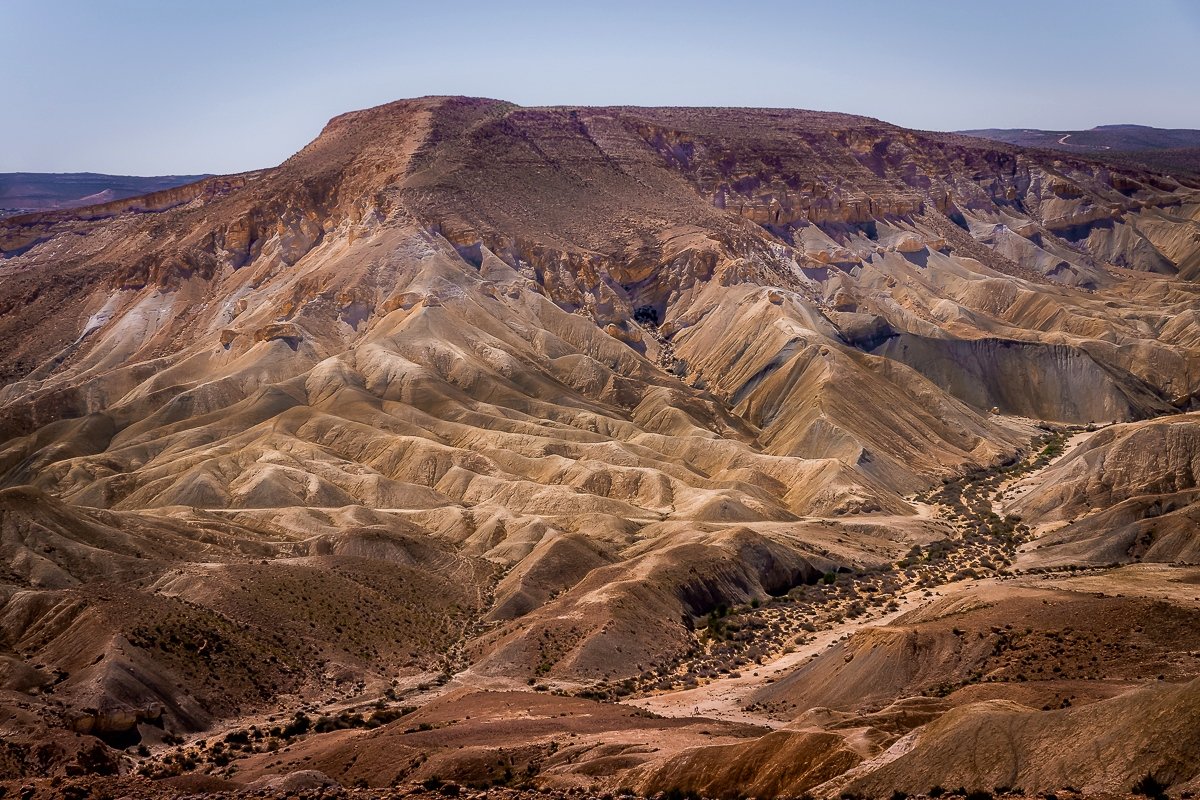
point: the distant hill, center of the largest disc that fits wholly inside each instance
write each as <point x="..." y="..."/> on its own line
<point x="41" y="191"/>
<point x="1173" y="150"/>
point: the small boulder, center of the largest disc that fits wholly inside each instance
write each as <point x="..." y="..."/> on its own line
<point x="304" y="780"/>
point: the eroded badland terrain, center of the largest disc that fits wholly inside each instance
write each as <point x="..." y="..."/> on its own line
<point x="607" y="451"/>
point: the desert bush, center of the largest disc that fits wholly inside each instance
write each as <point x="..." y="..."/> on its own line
<point x="1150" y="786"/>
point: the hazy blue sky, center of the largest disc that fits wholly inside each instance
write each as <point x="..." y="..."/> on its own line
<point x="141" y="87"/>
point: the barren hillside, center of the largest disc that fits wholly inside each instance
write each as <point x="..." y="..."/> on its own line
<point x="411" y="457"/>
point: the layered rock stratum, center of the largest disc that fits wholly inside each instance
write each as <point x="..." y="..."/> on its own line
<point x="404" y="461"/>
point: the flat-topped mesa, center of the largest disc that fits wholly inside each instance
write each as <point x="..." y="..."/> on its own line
<point x="484" y="169"/>
<point x="606" y="210"/>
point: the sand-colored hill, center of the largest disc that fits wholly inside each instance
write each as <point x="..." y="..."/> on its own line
<point x="1130" y="494"/>
<point x="1106" y="747"/>
<point x="980" y="643"/>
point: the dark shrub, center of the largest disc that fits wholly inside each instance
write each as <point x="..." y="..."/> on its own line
<point x="1150" y="786"/>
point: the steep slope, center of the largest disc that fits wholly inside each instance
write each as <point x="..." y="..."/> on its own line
<point x="1106" y="747"/>
<point x="996" y="641"/>
<point x="1129" y="494"/>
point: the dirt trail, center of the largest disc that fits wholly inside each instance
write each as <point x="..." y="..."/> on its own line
<point x="1063" y="141"/>
<point x="722" y="698"/>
